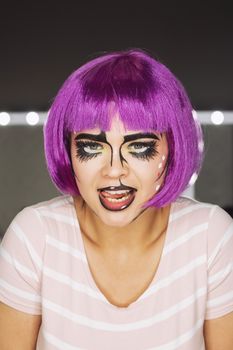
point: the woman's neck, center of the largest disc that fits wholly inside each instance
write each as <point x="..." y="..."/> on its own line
<point x="145" y="230"/>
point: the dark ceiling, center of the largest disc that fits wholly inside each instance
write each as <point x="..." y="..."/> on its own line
<point x="42" y="42"/>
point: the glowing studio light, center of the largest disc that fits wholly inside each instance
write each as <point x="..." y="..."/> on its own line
<point x="32" y="118"/>
<point x="193" y="179"/>
<point x="4" y="118"/>
<point x="201" y="146"/>
<point x="194" y="113"/>
<point x="217" y="117"/>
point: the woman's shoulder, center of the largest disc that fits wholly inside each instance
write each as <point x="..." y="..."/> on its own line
<point x="59" y="202"/>
<point x="56" y="205"/>
<point x="195" y="211"/>
<point x="193" y="206"/>
<point x="33" y="223"/>
<point x="187" y="207"/>
<point x="36" y="216"/>
<point x="23" y="252"/>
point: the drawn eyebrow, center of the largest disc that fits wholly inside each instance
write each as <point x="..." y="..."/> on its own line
<point x="137" y="136"/>
<point x="100" y="137"/>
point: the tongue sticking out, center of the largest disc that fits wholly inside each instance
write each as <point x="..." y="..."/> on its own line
<point x="116" y="201"/>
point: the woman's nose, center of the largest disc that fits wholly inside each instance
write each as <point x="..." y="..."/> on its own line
<point x="115" y="166"/>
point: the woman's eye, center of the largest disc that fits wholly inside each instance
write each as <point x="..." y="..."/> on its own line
<point x="143" y="150"/>
<point x="92" y="148"/>
<point x="138" y="147"/>
<point x="86" y="150"/>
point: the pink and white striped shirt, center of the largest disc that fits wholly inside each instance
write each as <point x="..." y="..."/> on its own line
<point x="44" y="270"/>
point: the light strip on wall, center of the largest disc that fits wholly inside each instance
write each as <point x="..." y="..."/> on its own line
<point x="39" y="118"/>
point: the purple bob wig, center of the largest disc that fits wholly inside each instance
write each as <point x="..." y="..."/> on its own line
<point x="147" y="96"/>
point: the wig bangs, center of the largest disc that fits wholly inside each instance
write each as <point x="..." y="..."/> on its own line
<point x="134" y="114"/>
<point x="126" y="88"/>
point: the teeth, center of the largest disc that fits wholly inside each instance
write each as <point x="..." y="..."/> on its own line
<point x="118" y="200"/>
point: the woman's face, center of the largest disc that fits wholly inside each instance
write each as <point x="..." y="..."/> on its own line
<point x="118" y="171"/>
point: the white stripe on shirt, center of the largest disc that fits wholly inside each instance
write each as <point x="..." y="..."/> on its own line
<point x="19" y="267"/>
<point x="125" y="327"/>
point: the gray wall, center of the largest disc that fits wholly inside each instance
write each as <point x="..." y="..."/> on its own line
<point x="23" y="175"/>
<point x="24" y="179"/>
<point x="215" y="183"/>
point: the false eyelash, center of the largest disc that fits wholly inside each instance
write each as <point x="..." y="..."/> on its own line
<point x="81" y="154"/>
<point x="150" y="152"/>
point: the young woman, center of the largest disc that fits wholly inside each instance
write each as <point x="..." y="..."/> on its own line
<point x="121" y="260"/>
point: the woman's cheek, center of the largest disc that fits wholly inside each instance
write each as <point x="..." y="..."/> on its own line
<point x="87" y="170"/>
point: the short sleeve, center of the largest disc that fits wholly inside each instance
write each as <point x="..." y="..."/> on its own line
<point x="220" y="264"/>
<point x="21" y="259"/>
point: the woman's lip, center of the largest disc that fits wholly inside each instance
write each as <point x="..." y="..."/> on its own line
<point x="116" y="188"/>
<point x="117" y="206"/>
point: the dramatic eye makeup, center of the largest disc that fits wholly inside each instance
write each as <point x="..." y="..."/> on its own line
<point x="144" y="150"/>
<point x="89" y="146"/>
<point x="86" y="150"/>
